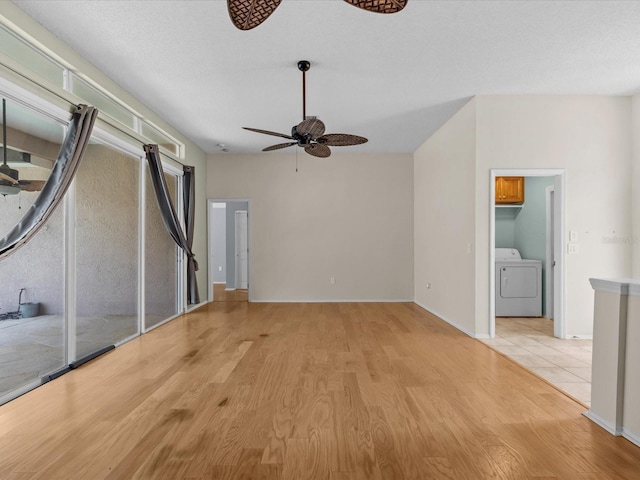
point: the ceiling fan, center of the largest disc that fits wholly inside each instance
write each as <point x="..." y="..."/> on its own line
<point x="248" y="14"/>
<point x="10" y="183"/>
<point x="309" y="133"/>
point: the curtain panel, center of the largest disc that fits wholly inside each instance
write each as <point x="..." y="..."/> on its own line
<point x="189" y="215"/>
<point x="170" y="217"/>
<point x="66" y="165"/>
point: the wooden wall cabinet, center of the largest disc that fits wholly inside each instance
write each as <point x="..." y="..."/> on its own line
<point x="509" y="190"/>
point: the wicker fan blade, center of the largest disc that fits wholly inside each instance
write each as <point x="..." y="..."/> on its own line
<point x="248" y="14"/>
<point x="279" y="146"/>
<point x="318" y="150"/>
<point x="267" y="132"/>
<point x="379" y="6"/>
<point x="7" y="178"/>
<point x="312" y="127"/>
<point x="341" y="139"/>
<point x="31" y="185"/>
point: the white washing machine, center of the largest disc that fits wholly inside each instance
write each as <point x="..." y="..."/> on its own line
<point x="518" y="285"/>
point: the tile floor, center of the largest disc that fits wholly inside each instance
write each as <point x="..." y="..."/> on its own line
<point x="566" y="363"/>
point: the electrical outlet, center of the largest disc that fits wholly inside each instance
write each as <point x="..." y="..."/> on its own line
<point x="332" y="280"/>
<point x="220" y="268"/>
<point x="573" y="248"/>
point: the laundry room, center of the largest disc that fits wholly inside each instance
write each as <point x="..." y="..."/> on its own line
<point x="521" y="246"/>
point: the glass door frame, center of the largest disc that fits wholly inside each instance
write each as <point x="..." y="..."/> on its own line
<point x="181" y="264"/>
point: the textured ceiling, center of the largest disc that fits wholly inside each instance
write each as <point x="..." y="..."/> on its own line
<point x="392" y="78"/>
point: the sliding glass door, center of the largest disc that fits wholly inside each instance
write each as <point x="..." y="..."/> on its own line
<point x="101" y="269"/>
<point x="163" y="259"/>
<point x="32" y="293"/>
<point x="106" y="211"/>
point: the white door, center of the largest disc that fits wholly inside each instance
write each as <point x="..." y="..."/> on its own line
<point x="242" y="250"/>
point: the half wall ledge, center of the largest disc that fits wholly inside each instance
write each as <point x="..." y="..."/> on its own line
<point x="615" y="382"/>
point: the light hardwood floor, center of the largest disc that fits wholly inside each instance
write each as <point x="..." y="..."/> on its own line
<point x="221" y="294"/>
<point x="305" y="391"/>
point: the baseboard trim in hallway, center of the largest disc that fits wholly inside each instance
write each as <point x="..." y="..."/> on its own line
<point x="334" y="300"/>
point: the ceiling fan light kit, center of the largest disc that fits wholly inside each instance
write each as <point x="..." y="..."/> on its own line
<point x="9" y="190"/>
<point x="248" y="14"/>
<point x="309" y="133"/>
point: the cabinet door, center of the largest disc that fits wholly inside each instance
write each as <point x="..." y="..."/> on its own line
<point x="509" y="189"/>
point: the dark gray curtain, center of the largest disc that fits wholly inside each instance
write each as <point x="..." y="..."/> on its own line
<point x="189" y="215"/>
<point x="170" y="218"/>
<point x="71" y="152"/>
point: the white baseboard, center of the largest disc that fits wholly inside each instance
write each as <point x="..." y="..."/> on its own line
<point x="442" y="317"/>
<point x="608" y="426"/>
<point x="631" y="436"/>
<point x="332" y="300"/>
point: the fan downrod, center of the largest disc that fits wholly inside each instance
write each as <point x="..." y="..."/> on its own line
<point x="304" y="66"/>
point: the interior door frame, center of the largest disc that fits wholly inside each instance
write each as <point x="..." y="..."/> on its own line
<point x="211" y="201"/>
<point x="559" y="175"/>
<point x="550" y="250"/>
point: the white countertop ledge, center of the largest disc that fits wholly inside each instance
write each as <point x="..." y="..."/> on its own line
<point x="619" y="286"/>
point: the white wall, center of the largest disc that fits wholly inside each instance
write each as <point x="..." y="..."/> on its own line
<point x="347" y="216"/>
<point x="635" y="179"/>
<point x="590" y="136"/>
<point x="444" y="193"/>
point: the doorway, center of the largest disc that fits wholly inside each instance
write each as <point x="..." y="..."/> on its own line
<point x="551" y="203"/>
<point x="228" y="245"/>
